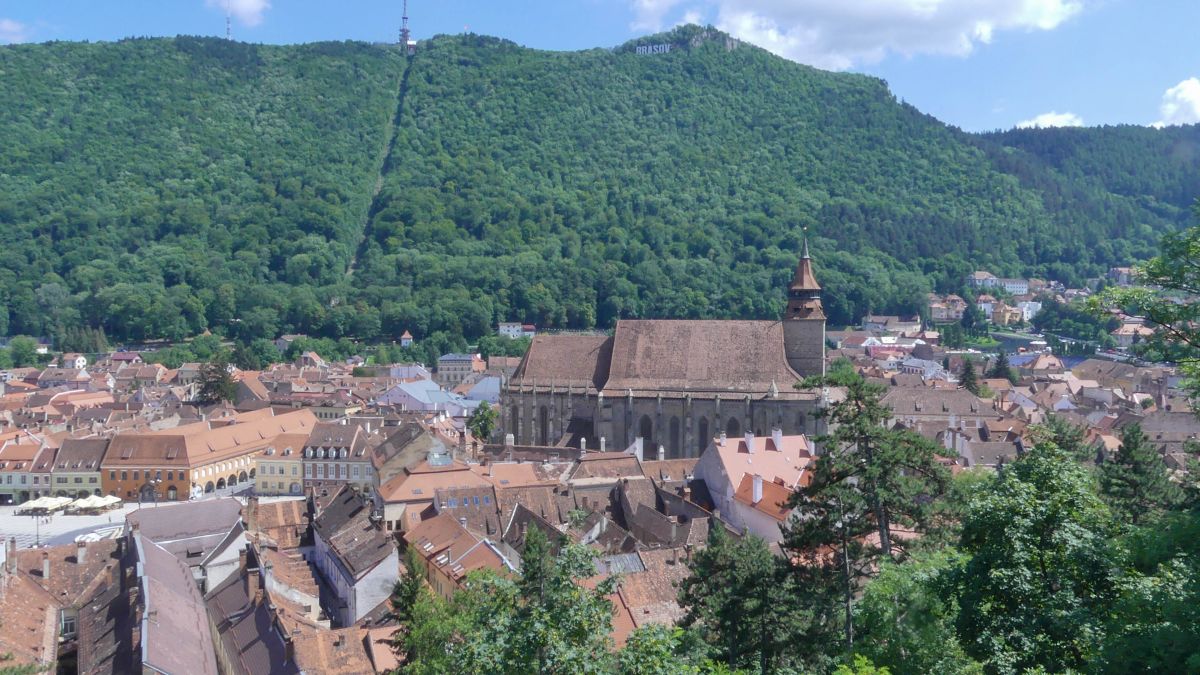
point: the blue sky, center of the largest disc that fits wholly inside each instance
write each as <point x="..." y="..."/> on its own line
<point x="978" y="64"/>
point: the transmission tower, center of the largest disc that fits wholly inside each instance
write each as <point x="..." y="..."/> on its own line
<point x="228" y="22"/>
<point x="406" y="41"/>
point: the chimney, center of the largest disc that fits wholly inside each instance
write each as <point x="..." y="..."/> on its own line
<point x="45" y="565"/>
<point x="582" y="446"/>
<point x="637" y="448"/>
<point x="723" y="439"/>
<point x="509" y="440"/>
<point x="757" y="489"/>
<point x="750" y="442"/>
<point x="250" y="514"/>
<point x="777" y="438"/>
<point x="462" y="520"/>
<point x="662" y="453"/>
<point x="11" y="555"/>
<point x="80" y="553"/>
<point x="601" y="444"/>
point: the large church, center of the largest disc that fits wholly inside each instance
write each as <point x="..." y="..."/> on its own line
<point x="674" y="383"/>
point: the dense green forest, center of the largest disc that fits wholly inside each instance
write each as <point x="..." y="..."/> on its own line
<point x="155" y="188"/>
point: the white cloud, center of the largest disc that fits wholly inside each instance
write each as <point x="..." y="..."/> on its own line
<point x="12" y="32"/>
<point x="649" y="14"/>
<point x="839" y="34"/>
<point x="1181" y="104"/>
<point x="249" y="12"/>
<point x="1052" y="119"/>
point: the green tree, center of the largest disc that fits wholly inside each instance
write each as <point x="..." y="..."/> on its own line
<point x="1040" y="580"/>
<point x="1154" y="625"/>
<point x="482" y="422"/>
<point x="545" y="621"/>
<point x="870" y="478"/>
<point x="1070" y="438"/>
<point x="23" y="351"/>
<point x="906" y="617"/>
<point x="216" y="384"/>
<point x="407" y="589"/>
<point x="968" y="379"/>
<point x="1165" y="283"/>
<point x="1001" y="369"/>
<point x="655" y="649"/>
<point x="1135" y="481"/>
<point x="559" y="626"/>
<point x="861" y="665"/>
<point x="744" y="603"/>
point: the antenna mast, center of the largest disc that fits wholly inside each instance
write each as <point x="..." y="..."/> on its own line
<point x="228" y="23"/>
<point x="404" y="26"/>
<point x="406" y="42"/>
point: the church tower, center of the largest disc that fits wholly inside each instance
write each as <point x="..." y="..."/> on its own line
<point x="804" y="322"/>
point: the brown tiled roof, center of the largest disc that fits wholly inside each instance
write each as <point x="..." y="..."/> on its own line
<point x="30" y="619"/>
<point x="345" y="525"/>
<point x="333" y="652"/>
<point x="175" y="634"/>
<point x="574" y="360"/>
<point x="652" y="594"/>
<point x="774" y="497"/>
<point x="284" y="522"/>
<point x="69" y="581"/>
<point x="610" y="465"/>
<point x="204" y="442"/>
<point x="81" y="454"/>
<point x="419" y="485"/>
<point x="245" y="627"/>
<point x="700" y="356"/>
<point x="929" y="401"/>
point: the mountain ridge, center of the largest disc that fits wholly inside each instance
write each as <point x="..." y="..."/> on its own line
<point x="161" y="187"/>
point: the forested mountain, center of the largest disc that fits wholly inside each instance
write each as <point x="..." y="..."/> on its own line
<point x="159" y="187"/>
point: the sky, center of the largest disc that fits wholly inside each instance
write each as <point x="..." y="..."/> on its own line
<point x="977" y="64"/>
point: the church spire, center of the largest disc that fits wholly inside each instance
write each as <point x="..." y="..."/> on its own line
<point x="804" y="279"/>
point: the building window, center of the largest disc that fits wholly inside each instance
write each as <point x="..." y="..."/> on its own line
<point x="60" y="480"/>
<point x="124" y="475"/>
<point x="78" y="480"/>
<point x="157" y="474"/>
<point x="294" y="468"/>
<point x="137" y="475"/>
<point x="68" y="626"/>
<point x="170" y="475"/>
<point x="112" y="475"/>
<point x="91" y="479"/>
<point x="356" y="471"/>
<point x="308" y="470"/>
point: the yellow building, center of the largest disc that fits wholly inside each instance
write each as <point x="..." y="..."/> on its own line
<point x="281" y="466"/>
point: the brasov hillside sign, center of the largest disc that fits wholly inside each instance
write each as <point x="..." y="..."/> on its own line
<point x="644" y="50"/>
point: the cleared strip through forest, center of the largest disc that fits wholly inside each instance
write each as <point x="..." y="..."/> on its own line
<point x="385" y="155"/>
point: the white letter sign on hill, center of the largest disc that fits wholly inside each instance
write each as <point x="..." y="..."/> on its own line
<point x="653" y="49"/>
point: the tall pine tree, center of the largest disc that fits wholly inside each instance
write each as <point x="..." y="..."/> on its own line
<point x="1135" y="482"/>
<point x="968" y="379"/>
<point x="1001" y="369"/>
